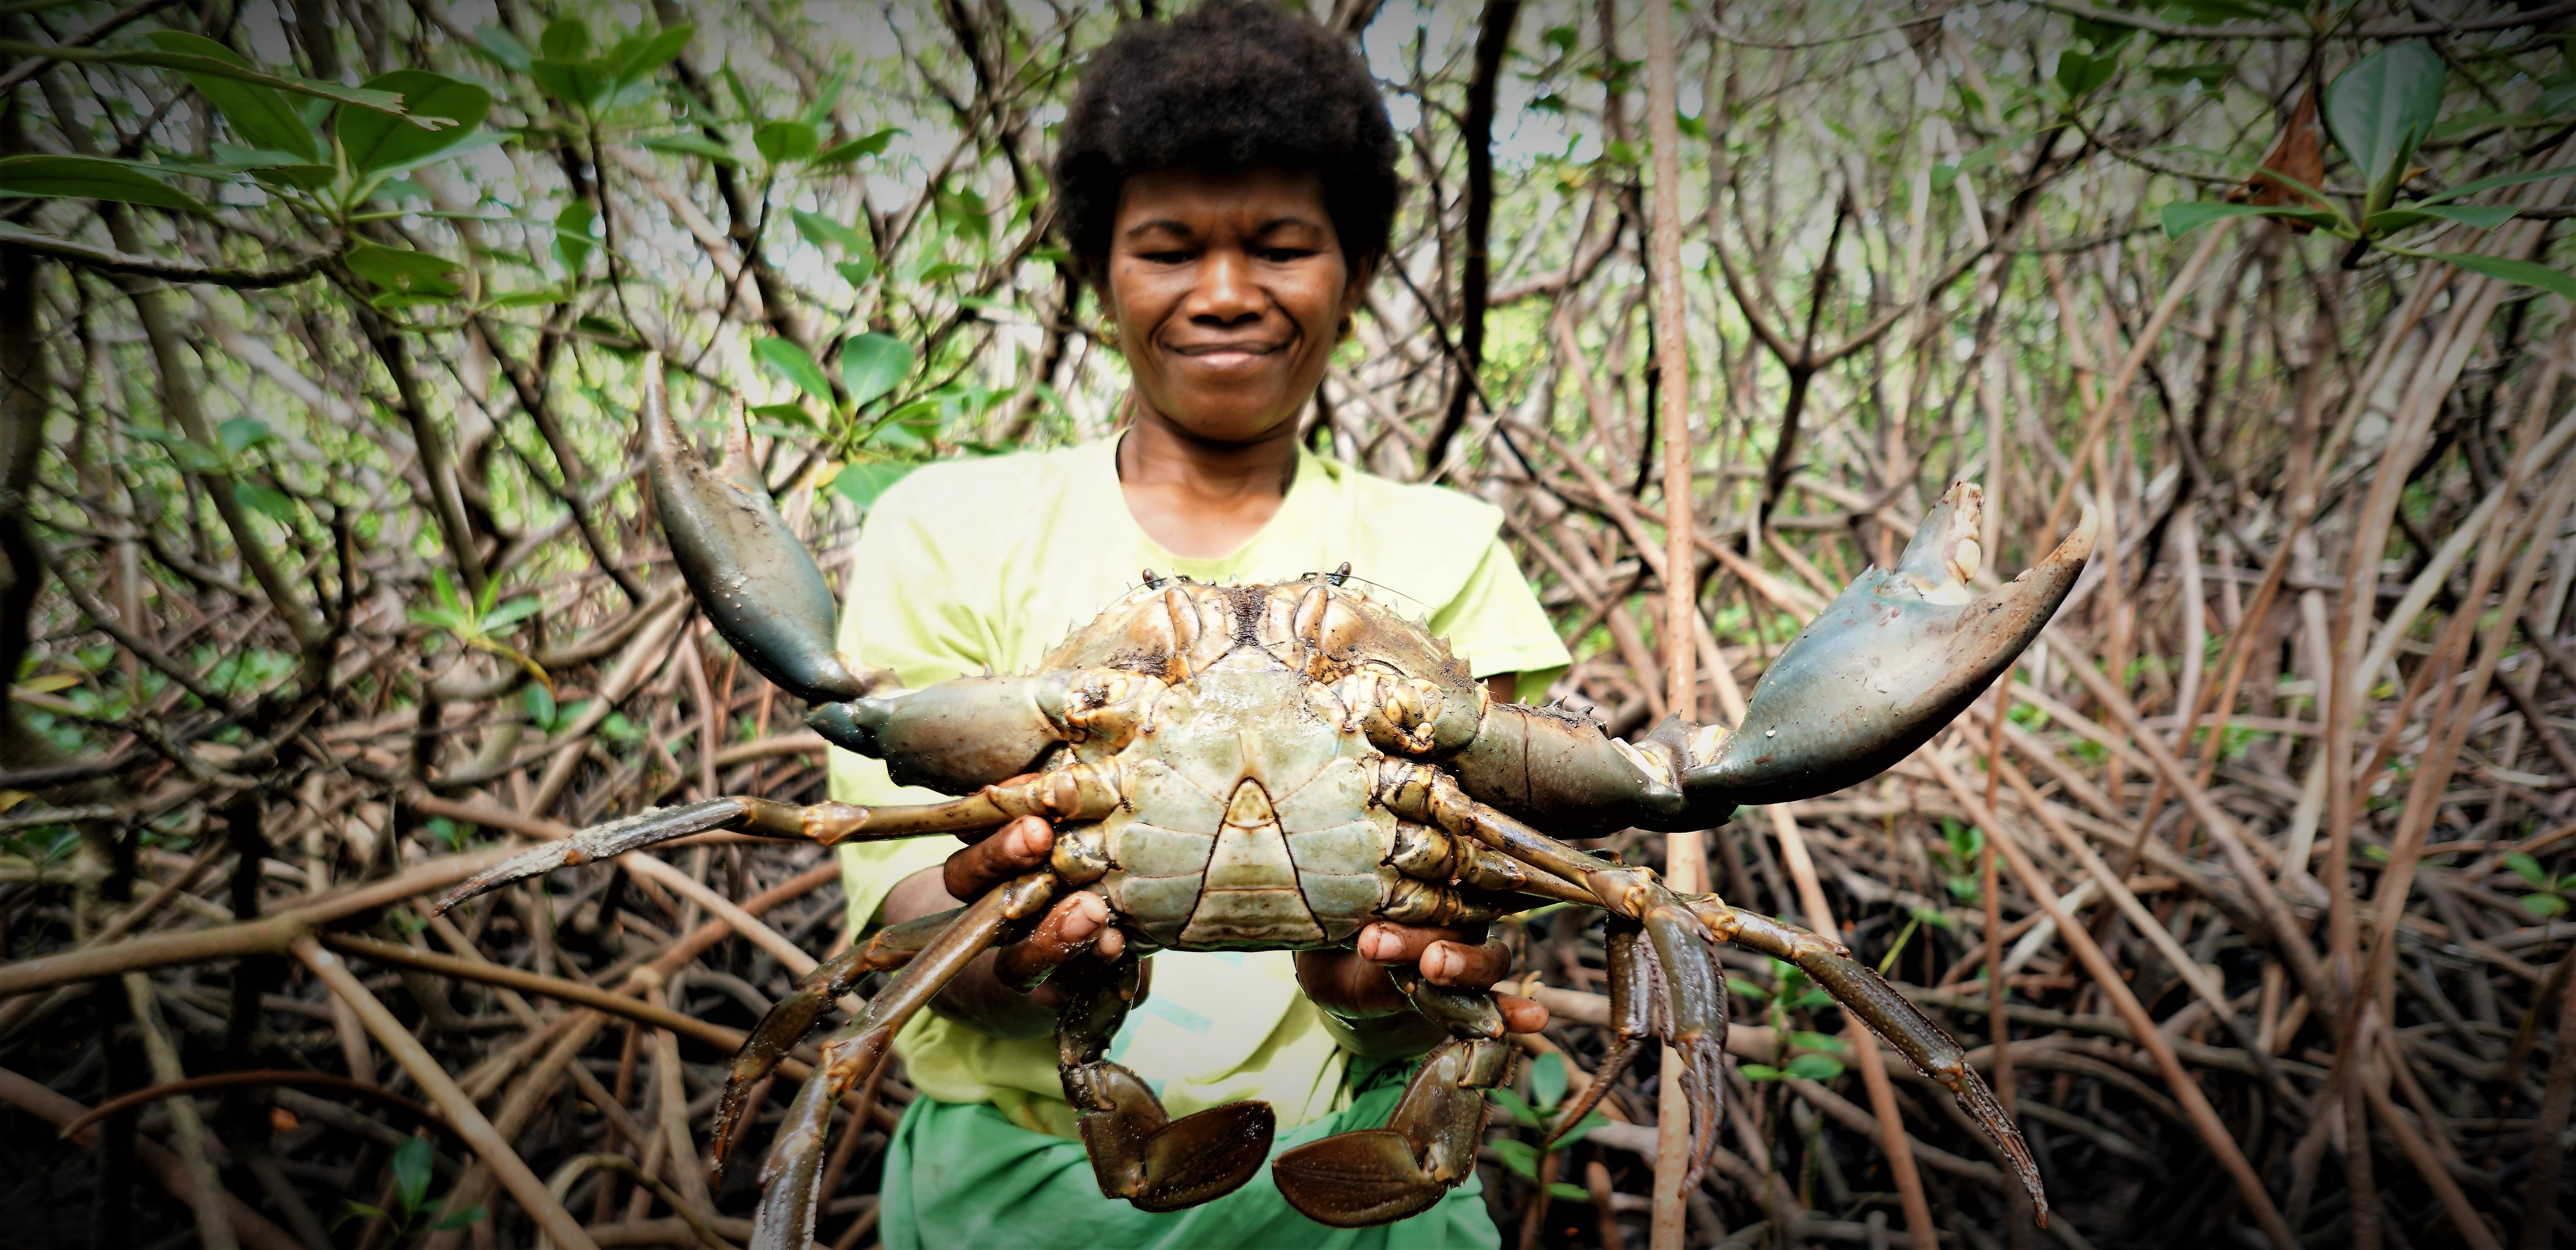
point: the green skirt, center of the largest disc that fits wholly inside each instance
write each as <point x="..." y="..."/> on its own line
<point x="961" y="1175"/>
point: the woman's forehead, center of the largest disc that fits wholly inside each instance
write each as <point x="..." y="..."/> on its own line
<point x="1253" y="197"/>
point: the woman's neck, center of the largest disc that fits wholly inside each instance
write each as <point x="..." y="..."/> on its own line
<point x="1198" y="498"/>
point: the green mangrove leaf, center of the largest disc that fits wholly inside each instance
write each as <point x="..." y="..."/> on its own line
<point x="2518" y="272"/>
<point x="2381" y="108"/>
<point x="402" y="272"/>
<point x="692" y="145"/>
<point x="781" y="142"/>
<point x="861" y="483"/>
<point x="260" y="115"/>
<point x="573" y="240"/>
<point x="2490" y="184"/>
<point x="376" y="143"/>
<point x="865" y="145"/>
<point x="791" y="362"/>
<point x="2185" y="216"/>
<point x="2481" y="216"/>
<point x="90" y="178"/>
<point x="874" y="364"/>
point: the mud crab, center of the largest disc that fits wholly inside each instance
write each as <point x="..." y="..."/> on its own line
<point x="1272" y="767"/>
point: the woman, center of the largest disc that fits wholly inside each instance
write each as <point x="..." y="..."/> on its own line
<point x="1225" y="182"/>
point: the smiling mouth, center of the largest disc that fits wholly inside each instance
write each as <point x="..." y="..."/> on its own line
<point x="1221" y="353"/>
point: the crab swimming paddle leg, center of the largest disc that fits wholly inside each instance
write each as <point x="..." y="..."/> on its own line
<point x="1138" y="1152"/>
<point x="1379" y="1175"/>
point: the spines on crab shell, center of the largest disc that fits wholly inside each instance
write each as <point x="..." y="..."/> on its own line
<point x="1167" y="628"/>
<point x="1173" y="627"/>
<point x="1344" y="628"/>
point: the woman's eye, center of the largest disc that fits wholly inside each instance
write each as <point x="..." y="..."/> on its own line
<point x="1285" y="255"/>
<point x="1164" y="258"/>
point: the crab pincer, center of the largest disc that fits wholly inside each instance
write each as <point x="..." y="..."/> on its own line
<point x="751" y="575"/>
<point x="1889" y="663"/>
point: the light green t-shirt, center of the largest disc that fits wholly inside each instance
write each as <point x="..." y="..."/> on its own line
<point x="970" y="566"/>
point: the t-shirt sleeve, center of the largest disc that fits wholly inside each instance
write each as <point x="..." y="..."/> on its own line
<point x="1496" y="624"/>
<point x="927" y="633"/>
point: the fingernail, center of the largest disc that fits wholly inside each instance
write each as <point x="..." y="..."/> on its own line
<point x="1443" y="962"/>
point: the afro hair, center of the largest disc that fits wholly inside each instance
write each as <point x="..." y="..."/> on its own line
<point x="1229" y="86"/>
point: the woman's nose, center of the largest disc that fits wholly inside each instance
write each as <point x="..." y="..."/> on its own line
<point x="1225" y="294"/>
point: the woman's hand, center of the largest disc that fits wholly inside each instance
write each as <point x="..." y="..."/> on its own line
<point x="1076" y="926"/>
<point x="1360" y="1002"/>
<point x="1371" y="1018"/>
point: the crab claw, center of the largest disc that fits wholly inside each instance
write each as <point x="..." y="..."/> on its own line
<point x="1897" y="656"/>
<point x="752" y="577"/>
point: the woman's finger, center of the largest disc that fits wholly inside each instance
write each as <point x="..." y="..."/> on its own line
<point x="1077" y="923"/>
<point x="1460" y="966"/>
<point x="1347" y="985"/>
<point x="1388" y="943"/>
<point x="1020" y="847"/>
<point x="1521" y="1015"/>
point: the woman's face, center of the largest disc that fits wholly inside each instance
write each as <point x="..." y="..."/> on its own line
<point x="1229" y="290"/>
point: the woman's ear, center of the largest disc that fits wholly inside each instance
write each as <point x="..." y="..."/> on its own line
<point x="1092" y="273"/>
<point x="1355" y="289"/>
<point x="1094" y="277"/>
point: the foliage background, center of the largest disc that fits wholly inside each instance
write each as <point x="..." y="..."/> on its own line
<point x="327" y="570"/>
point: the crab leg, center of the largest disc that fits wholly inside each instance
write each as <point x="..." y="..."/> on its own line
<point x="1082" y="792"/>
<point x="1632" y="989"/>
<point x="1427" y="794"/>
<point x="792" y="1017"/>
<point x="1687" y="994"/>
<point x="1694" y="989"/>
<point x="1426" y="853"/>
<point x="784" y="1220"/>
<point x="1138" y="1152"/>
<point x="1860" y="991"/>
